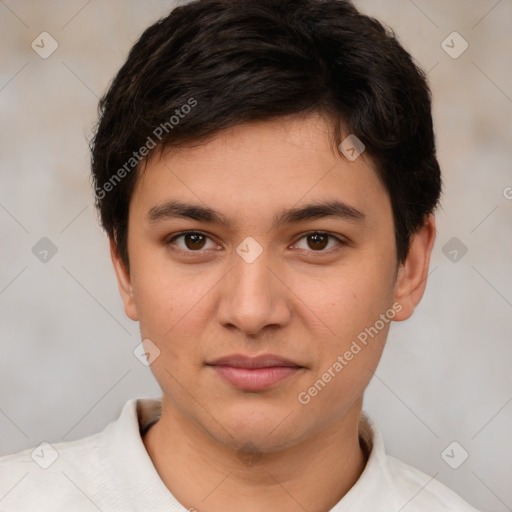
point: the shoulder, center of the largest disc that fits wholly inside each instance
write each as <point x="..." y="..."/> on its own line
<point x="421" y="491"/>
<point x="388" y="484"/>
<point x="71" y="475"/>
<point x="50" y="476"/>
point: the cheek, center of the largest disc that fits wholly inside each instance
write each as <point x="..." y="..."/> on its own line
<point x="348" y="360"/>
<point x="171" y="304"/>
<point x="169" y="316"/>
<point x="356" y="304"/>
<point x="156" y="303"/>
<point x="161" y="292"/>
<point x="346" y="301"/>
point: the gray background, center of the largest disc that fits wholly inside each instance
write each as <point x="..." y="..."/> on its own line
<point x="67" y="366"/>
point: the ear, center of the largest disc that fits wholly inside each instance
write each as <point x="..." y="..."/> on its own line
<point x="124" y="282"/>
<point x="412" y="274"/>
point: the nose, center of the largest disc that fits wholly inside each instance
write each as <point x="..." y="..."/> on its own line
<point x="253" y="296"/>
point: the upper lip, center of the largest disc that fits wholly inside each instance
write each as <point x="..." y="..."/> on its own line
<point x="263" y="361"/>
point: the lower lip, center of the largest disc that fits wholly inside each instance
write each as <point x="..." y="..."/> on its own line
<point x="255" y="379"/>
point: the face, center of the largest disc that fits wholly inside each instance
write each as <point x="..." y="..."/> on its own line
<point x="263" y="269"/>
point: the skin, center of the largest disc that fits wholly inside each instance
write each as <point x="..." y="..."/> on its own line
<point x="302" y="299"/>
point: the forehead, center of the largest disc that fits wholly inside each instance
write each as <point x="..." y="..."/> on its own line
<point x="257" y="169"/>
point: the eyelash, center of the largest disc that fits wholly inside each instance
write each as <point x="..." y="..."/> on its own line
<point x="341" y="243"/>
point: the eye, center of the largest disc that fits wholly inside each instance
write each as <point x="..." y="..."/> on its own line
<point x="317" y="241"/>
<point x="195" y="241"/>
<point x="192" y="241"/>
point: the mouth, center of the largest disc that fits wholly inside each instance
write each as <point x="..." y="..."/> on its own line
<point x="255" y="373"/>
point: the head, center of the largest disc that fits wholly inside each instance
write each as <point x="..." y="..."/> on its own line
<point x="236" y="224"/>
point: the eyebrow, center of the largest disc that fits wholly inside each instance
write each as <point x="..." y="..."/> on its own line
<point x="179" y="209"/>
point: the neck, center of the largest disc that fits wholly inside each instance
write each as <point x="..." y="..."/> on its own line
<point x="208" y="476"/>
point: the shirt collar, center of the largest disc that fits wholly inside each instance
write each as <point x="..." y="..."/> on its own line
<point x="133" y="470"/>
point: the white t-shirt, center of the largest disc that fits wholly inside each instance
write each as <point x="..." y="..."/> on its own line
<point x="112" y="472"/>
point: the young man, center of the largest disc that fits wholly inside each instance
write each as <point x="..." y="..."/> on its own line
<point x="266" y="173"/>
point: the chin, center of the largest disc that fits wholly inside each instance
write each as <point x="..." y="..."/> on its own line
<point x="262" y="429"/>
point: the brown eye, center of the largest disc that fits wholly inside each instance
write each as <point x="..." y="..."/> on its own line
<point x="318" y="241"/>
<point x="192" y="241"/>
